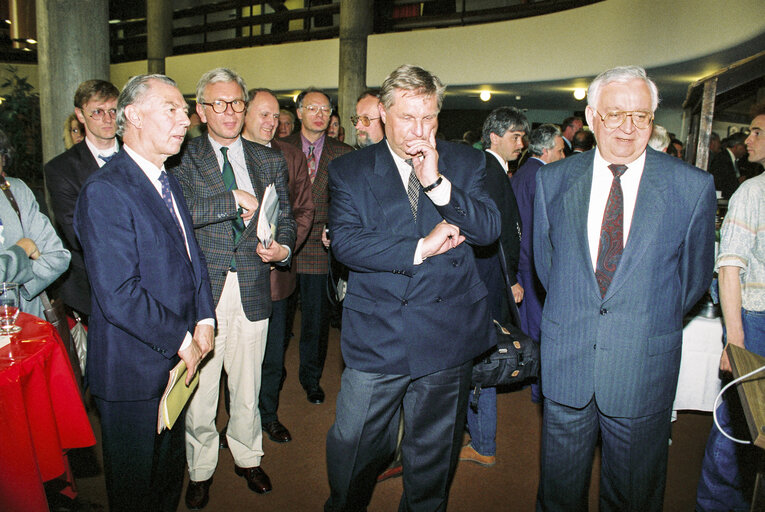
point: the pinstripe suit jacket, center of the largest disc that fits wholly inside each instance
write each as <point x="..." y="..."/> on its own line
<point x="212" y="208"/>
<point x="312" y="258"/>
<point x="624" y="348"/>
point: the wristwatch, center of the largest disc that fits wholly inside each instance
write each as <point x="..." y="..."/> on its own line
<point x="434" y="184"/>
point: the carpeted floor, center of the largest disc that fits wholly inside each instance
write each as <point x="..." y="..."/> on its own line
<point x="297" y="469"/>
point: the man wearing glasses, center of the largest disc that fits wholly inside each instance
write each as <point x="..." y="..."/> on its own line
<point x="95" y="103"/>
<point x="313" y="110"/>
<point x="369" y="127"/>
<point x="624" y="246"/>
<point x="223" y="178"/>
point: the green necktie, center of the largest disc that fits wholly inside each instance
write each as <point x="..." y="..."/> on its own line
<point x="237" y="225"/>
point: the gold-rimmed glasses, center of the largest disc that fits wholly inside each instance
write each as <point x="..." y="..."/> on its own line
<point x="220" y="106"/>
<point x="365" y="120"/>
<point x="99" y="113"/>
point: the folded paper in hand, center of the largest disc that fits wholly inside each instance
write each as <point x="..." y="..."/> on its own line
<point x="268" y="218"/>
<point x="175" y="397"/>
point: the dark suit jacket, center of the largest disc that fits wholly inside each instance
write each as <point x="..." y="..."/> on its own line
<point x="147" y="292"/>
<point x="487" y="257"/>
<point x="312" y="258"/>
<point x="401" y="318"/>
<point x="623" y="349"/>
<point x="283" y="279"/>
<point x="64" y="176"/>
<point x="721" y="167"/>
<point x="213" y="207"/>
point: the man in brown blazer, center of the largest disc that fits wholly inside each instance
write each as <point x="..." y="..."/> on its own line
<point x="223" y="179"/>
<point x="313" y="110"/>
<point x="260" y="125"/>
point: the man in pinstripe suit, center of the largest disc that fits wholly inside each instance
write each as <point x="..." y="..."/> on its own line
<point x="222" y="175"/>
<point x="314" y="109"/>
<point x="624" y="246"/>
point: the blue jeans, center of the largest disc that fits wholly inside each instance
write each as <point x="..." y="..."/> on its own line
<point x="482" y="425"/>
<point x="729" y="469"/>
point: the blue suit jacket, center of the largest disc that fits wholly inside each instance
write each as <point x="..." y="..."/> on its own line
<point x="623" y="348"/>
<point x="400" y="318"/>
<point x="147" y="293"/>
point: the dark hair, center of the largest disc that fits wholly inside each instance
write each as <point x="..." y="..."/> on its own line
<point x="584" y="140"/>
<point x="7" y="151"/>
<point x="369" y="92"/>
<point x="302" y="95"/>
<point x="500" y="121"/>
<point x="252" y="92"/>
<point x="758" y="110"/>
<point x="569" y="121"/>
<point x="99" y="89"/>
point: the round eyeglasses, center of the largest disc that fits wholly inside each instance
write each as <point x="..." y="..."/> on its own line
<point x="614" y="119"/>
<point x="365" y="120"/>
<point x="220" y="106"/>
<point x="99" y="113"/>
<point x="315" y="109"/>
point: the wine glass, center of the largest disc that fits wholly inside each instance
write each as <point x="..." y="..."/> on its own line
<point x="9" y="308"/>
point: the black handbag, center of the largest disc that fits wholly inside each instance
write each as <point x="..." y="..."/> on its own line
<point x="514" y="359"/>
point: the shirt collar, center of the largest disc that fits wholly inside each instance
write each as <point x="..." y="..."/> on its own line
<point x="105" y="152"/>
<point x="148" y="168"/>
<point x="501" y="160"/>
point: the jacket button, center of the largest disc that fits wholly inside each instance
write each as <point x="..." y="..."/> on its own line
<point x="595" y="346"/>
<point x="455" y="264"/>
<point x="603" y="311"/>
<point x="439" y="299"/>
<point x="404" y="302"/>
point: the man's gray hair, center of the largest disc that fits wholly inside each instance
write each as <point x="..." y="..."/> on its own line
<point x="500" y="121"/>
<point x="220" y="75"/>
<point x="621" y="74"/>
<point x="659" y="138"/>
<point x="133" y="92"/>
<point x="543" y="137"/>
<point x="413" y="79"/>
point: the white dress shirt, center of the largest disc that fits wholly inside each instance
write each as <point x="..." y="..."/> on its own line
<point x="105" y="152"/>
<point x="602" y="177"/>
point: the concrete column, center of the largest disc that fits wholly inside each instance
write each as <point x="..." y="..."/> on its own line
<point x="73" y="46"/>
<point x="159" y="34"/>
<point x="356" y="18"/>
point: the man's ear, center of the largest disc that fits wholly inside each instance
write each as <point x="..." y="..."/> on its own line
<point x="133" y="115"/>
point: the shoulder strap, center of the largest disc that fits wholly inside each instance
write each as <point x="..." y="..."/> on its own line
<point x="6" y="187"/>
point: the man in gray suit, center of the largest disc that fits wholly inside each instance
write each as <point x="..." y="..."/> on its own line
<point x="624" y="246"/>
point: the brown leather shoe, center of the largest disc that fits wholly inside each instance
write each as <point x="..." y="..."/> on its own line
<point x="257" y="479"/>
<point x="277" y="432"/>
<point x="198" y="494"/>
<point x="468" y="453"/>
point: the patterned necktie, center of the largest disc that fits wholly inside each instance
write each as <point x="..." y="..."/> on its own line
<point x="237" y="225"/>
<point x="311" y="163"/>
<point x="611" y="232"/>
<point x="167" y="197"/>
<point x="413" y="190"/>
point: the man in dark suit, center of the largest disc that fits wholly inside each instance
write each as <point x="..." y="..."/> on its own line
<point x="95" y="105"/>
<point x="219" y="173"/>
<point x="150" y="292"/>
<point x="260" y="125"/>
<point x="724" y="165"/>
<point x="503" y="132"/>
<point x="415" y="313"/>
<point x="624" y="246"/>
<point x="311" y="263"/>
<point x="568" y="129"/>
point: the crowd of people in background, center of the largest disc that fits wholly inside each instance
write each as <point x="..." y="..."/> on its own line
<point x="155" y="202"/>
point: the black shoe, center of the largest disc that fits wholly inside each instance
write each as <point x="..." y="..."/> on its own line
<point x="277" y="432"/>
<point x="315" y="395"/>
<point x="257" y="479"/>
<point x="198" y="494"/>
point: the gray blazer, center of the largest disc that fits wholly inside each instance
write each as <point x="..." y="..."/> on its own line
<point x="623" y="349"/>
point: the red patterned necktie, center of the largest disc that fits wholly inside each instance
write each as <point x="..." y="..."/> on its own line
<point x="611" y="232"/>
<point x="311" y="163"/>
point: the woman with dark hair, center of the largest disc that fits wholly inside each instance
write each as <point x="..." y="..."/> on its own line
<point x="31" y="254"/>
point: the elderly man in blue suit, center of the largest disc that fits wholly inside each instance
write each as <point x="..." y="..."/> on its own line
<point x="415" y="314"/>
<point x="152" y="304"/>
<point x="624" y="246"/>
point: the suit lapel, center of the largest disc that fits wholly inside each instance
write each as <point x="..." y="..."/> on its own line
<point x="209" y="168"/>
<point x="388" y="189"/>
<point x="255" y="168"/>
<point x="648" y="215"/>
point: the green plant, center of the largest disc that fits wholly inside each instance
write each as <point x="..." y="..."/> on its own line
<point x="20" y="120"/>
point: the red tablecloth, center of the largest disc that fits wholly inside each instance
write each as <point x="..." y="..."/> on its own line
<point x="41" y="414"/>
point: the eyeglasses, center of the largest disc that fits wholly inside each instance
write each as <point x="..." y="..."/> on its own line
<point x="220" y="106"/>
<point x="365" y="120"/>
<point x="99" y="113"/>
<point x="640" y="118"/>
<point x="315" y="109"/>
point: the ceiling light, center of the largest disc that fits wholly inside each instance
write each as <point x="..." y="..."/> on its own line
<point x="31" y="41"/>
<point x="485" y="95"/>
<point x="579" y="93"/>
<point x="8" y="22"/>
<point x="517" y="98"/>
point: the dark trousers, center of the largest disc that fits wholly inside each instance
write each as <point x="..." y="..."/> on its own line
<point x="314" y="327"/>
<point x="143" y="470"/>
<point x="633" y="470"/>
<point x="363" y="437"/>
<point x="273" y="362"/>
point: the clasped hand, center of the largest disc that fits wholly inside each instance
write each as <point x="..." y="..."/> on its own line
<point x="442" y="238"/>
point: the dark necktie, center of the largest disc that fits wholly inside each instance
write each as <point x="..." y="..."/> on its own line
<point x="413" y="190"/>
<point x="611" y="232"/>
<point x="311" y="163"/>
<point x="106" y="158"/>
<point x="237" y="225"/>
<point x="167" y="197"/>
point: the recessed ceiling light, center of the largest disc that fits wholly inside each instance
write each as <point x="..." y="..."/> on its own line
<point x="579" y="93"/>
<point x="485" y="95"/>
